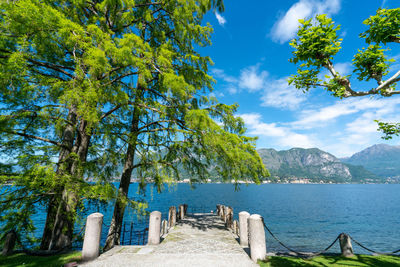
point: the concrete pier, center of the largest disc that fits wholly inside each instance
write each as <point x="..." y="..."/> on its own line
<point x="196" y="240"/>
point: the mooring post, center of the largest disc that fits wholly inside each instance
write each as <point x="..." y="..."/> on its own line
<point x="164" y="227"/>
<point x="345" y="245"/>
<point x="181" y="212"/>
<point x="243" y="229"/>
<point x="91" y="241"/>
<point x="154" y="228"/>
<point x="185" y="207"/>
<point x="235" y="227"/>
<point x="229" y="218"/>
<point x="226" y="211"/>
<point x="172" y="216"/>
<point x="9" y="243"/>
<point x="258" y="248"/>
<point x="221" y="211"/>
<point x="218" y="209"/>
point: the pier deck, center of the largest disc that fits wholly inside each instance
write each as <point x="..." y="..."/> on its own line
<point x="197" y="240"/>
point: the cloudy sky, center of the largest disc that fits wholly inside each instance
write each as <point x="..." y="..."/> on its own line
<point x="251" y="52"/>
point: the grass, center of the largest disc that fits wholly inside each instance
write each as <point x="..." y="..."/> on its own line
<point x="324" y="261"/>
<point x="22" y="259"/>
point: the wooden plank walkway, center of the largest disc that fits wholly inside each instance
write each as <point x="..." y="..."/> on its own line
<point x="198" y="240"/>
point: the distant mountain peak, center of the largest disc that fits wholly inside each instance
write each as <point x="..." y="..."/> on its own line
<point x="381" y="159"/>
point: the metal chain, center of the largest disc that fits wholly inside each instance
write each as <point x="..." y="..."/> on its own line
<point x="311" y="254"/>
<point x="373" y="251"/>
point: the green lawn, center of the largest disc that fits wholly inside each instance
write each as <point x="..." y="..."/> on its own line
<point x="21" y="259"/>
<point x="323" y="261"/>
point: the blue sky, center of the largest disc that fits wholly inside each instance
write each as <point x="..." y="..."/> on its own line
<point x="251" y="52"/>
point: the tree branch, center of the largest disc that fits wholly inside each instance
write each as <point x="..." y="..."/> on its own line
<point x="37" y="138"/>
<point x="109" y="112"/>
<point x="52" y="66"/>
<point x="350" y="92"/>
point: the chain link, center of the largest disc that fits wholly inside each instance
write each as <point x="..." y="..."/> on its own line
<point x="310" y="254"/>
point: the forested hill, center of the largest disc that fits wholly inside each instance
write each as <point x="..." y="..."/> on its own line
<point x="381" y="159"/>
<point x="313" y="164"/>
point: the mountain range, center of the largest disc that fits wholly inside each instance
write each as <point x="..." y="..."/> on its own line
<point x="378" y="163"/>
<point x="382" y="160"/>
<point x="312" y="164"/>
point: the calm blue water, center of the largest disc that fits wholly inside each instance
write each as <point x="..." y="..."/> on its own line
<point x="305" y="217"/>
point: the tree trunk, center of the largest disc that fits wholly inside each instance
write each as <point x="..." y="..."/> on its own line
<point x="61" y="211"/>
<point x="114" y="232"/>
<point x="54" y="201"/>
<point x="65" y="218"/>
<point x="63" y="229"/>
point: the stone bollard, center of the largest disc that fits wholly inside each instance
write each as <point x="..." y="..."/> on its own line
<point x="226" y="210"/>
<point x="9" y="243"/>
<point x="235" y="227"/>
<point x="345" y="245"/>
<point x="154" y="228"/>
<point x="243" y="230"/>
<point x="181" y="212"/>
<point x="229" y="218"/>
<point x="258" y="248"/>
<point x="164" y="227"/>
<point x="172" y="216"/>
<point x="219" y="210"/>
<point x="91" y="241"/>
<point x="185" y="207"/>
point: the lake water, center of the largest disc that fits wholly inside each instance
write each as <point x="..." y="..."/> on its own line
<point x="306" y="217"/>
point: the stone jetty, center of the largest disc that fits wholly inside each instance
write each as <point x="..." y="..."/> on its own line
<point x="195" y="240"/>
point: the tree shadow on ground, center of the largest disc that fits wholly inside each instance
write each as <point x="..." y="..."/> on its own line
<point x="326" y="261"/>
<point x="203" y="222"/>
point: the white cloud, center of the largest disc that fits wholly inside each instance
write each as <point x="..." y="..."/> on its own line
<point x="274" y="92"/>
<point x="280" y="135"/>
<point x="252" y="79"/>
<point x="232" y="90"/>
<point x="221" y="19"/>
<point x="279" y="94"/>
<point x="343" y="68"/>
<point x="316" y="118"/>
<point x="362" y="125"/>
<point x="219" y="73"/>
<point x="286" y="27"/>
<point x="327" y="6"/>
<point x="312" y="118"/>
<point x="343" y="128"/>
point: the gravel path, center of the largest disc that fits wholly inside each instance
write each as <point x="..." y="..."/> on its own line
<point x="198" y="240"/>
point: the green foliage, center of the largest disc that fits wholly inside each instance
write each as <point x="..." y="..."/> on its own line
<point x="384" y="27"/>
<point x="80" y="81"/>
<point x="371" y="63"/>
<point x="316" y="46"/>
<point x="389" y="129"/>
<point x="317" y="43"/>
